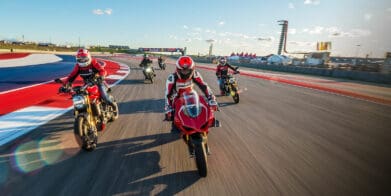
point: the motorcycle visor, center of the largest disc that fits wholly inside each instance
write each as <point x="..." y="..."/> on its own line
<point x="82" y="59"/>
<point x="185" y="71"/>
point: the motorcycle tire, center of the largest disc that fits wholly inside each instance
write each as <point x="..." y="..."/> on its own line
<point x="115" y="111"/>
<point x="200" y="157"/>
<point x="80" y="131"/>
<point x="236" y="97"/>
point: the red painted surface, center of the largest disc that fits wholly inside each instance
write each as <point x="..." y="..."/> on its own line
<point x="43" y="94"/>
<point x="7" y="56"/>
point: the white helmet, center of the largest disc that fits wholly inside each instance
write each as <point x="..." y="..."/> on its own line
<point x="83" y="57"/>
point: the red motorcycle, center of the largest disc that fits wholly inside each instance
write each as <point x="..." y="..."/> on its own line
<point x="91" y="112"/>
<point x="193" y="117"/>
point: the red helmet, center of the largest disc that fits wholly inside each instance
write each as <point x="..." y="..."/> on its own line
<point x="185" y="67"/>
<point x="83" y="57"/>
<point x="222" y="61"/>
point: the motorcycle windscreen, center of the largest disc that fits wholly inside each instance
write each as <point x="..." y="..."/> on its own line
<point x="192" y="106"/>
<point x="192" y="113"/>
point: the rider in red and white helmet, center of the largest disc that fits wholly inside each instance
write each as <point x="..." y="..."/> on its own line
<point x="181" y="81"/>
<point x="88" y="68"/>
<point x="83" y="58"/>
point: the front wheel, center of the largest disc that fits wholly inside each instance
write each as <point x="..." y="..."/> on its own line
<point x="84" y="135"/>
<point x="200" y="158"/>
<point x="235" y="94"/>
<point x="115" y="111"/>
<point x="236" y="97"/>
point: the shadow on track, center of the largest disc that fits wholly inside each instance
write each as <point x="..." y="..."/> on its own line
<point x="175" y="183"/>
<point x="225" y="104"/>
<point x="121" y="166"/>
<point x="142" y="106"/>
<point x="131" y="82"/>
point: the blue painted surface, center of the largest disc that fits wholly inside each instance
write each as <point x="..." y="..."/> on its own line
<point x="17" y="77"/>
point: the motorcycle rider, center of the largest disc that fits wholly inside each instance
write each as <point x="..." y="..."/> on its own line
<point x="181" y="81"/>
<point x="222" y="72"/>
<point x="88" y="68"/>
<point x="160" y="61"/>
<point x="145" y="62"/>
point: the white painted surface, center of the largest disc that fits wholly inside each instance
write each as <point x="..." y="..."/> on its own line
<point x="32" y="59"/>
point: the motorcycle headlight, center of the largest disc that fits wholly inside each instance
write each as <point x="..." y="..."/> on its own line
<point x="148" y="69"/>
<point x="232" y="80"/>
<point x="79" y="102"/>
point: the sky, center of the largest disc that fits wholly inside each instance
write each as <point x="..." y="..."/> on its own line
<point x="355" y="27"/>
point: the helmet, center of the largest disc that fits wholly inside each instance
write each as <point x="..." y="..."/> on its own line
<point x="83" y="57"/>
<point x="223" y="60"/>
<point x="185" y="67"/>
<point x="146" y="55"/>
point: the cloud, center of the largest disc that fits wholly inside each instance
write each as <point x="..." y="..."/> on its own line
<point x="185" y="27"/>
<point x="222" y="34"/>
<point x="173" y="37"/>
<point x="197" y="29"/>
<point x="337" y="32"/>
<point x="388" y="9"/>
<point x="311" y="2"/>
<point x="108" y="11"/>
<point x="269" y="39"/>
<point x="98" y="12"/>
<point x="292" y="31"/>
<point x="291" y="6"/>
<point x="221" y="23"/>
<point x="367" y="16"/>
<point x="188" y="40"/>
<point x="301" y="44"/>
<point x="316" y="30"/>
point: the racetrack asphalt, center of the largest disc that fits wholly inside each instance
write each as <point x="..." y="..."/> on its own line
<point x="279" y="140"/>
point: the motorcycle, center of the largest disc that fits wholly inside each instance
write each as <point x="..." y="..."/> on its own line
<point x="162" y="65"/>
<point x="148" y="72"/>
<point x="193" y="117"/>
<point x="231" y="87"/>
<point x="90" y="111"/>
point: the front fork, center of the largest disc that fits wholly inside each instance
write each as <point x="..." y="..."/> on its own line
<point x="204" y="139"/>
